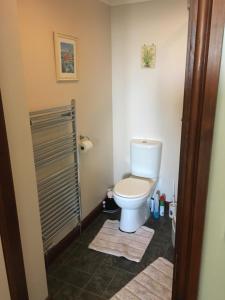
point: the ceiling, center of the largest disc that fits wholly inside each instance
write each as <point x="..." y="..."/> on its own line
<point x="121" y="2"/>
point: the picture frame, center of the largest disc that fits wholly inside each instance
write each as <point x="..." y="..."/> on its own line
<point x="66" y="57"/>
<point x="148" y="58"/>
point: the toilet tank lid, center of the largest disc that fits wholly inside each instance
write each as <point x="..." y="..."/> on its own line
<point x="146" y="142"/>
<point x="133" y="188"/>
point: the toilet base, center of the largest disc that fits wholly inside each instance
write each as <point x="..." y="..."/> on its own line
<point x="132" y="219"/>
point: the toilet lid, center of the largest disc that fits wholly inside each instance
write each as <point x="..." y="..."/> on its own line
<point x="133" y="188"/>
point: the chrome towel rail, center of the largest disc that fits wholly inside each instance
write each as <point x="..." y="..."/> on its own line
<point x="56" y="155"/>
<point x="57" y="177"/>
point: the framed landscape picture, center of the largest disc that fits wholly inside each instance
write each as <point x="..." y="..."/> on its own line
<point x="66" y="57"/>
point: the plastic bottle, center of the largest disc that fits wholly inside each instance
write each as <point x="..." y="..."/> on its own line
<point x="152" y="204"/>
<point x="156" y="207"/>
<point x="162" y="205"/>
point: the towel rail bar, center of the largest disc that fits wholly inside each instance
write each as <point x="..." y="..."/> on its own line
<point x="57" y="175"/>
<point x="57" y="187"/>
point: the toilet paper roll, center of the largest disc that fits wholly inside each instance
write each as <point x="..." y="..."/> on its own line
<point x="86" y="145"/>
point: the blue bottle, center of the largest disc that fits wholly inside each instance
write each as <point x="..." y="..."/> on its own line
<point x="156" y="207"/>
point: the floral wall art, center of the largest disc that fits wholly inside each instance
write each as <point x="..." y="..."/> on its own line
<point x="149" y="56"/>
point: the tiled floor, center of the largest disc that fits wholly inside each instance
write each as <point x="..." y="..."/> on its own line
<point x="83" y="274"/>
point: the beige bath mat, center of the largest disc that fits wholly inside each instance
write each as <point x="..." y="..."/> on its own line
<point x="111" y="240"/>
<point x="154" y="283"/>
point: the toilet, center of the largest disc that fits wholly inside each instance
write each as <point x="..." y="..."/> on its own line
<point x="133" y="194"/>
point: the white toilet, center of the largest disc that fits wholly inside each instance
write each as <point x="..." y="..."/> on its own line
<point x="131" y="194"/>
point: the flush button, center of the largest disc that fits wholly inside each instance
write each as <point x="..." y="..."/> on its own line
<point x="144" y="142"/>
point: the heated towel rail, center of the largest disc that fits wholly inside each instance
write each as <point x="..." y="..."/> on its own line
<point x="56" y="161"/>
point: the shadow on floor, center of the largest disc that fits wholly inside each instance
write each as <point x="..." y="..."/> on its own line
<point x="83" y="274"/>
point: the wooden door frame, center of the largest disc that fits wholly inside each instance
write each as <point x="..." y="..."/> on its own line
<point x="206" y="29"/>
<point x="9" y="225"/>
<point x="206" y="24"/>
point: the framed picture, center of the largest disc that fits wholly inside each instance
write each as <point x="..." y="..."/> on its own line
<point x="148" y="56"/>
<point x="66" y="57"/>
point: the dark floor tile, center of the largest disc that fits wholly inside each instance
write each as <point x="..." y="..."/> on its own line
<point x="54" y="285"/>
<point x="86" y="260"/>
<point x="73" y="246"/>
<point x="92" y="230"/>
<point x="163" y="239"/>
<point x="53" y="269"/>
<point x="88" y="235"/>
<point x="123" y="264"/>
<point x="120" y="279"/>
<point x="72" y="276"/>
<point x="170" y="254"/>
<point x="101" y="279"/>
<point x="100" y="275"/>
<point x="68" y="292"/>
<point x="90" y="296"/>
<point x="156" y="252"/>
<point x="66" y="254"/>
<point x="78" y="251"/>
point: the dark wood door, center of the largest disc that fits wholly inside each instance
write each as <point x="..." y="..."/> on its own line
<point x="206" y="27"/>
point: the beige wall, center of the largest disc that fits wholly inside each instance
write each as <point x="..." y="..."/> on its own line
<point x="147" y="103"/>
<point x="212" y="281"/>
<point x="88" y="20"/>
<point x="32" y="82"/>
<point x="17" y="125"/>
<point x="4" y="287"/>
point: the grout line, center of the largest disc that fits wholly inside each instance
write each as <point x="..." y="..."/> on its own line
<point x="94" y="294"/>
<point x="86" y="284"/>
<point x="110" y="281"/>
<point x="55" y="294"/>
<point x="92" y="276"/>
<point x="82" y="289"/>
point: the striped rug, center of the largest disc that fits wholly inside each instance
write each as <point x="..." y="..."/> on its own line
<point x="112" y="241"/>
<point x="154" y="283"/>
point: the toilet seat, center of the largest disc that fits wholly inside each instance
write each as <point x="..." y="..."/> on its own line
<point x="133" y="188"/>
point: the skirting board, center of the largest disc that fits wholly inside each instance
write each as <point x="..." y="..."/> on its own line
<point x="69" y="238"/>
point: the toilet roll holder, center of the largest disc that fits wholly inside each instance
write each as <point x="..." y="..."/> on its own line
<point x="83" y="139"/>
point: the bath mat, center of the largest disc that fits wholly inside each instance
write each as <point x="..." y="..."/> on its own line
<point x="111" y="240"/>
<point x="154" y="283"/>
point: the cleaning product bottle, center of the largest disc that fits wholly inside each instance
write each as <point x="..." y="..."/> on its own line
<point x="156" y="206"/>
<point x="162" y="205"/>
<point x="152" y="204"/>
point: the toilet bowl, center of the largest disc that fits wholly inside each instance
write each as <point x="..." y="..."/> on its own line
<point x="131" y="195"/>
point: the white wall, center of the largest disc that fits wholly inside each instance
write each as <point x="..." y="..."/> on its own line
<point x="88" y="20"/>
<point x="4" y="287"/>
<point x="213" y="257"/>
<point x="148" y="102"/>
<point x="20" y="147"/>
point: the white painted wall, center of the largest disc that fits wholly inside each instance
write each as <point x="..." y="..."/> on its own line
<point x="148" y="102"/>
<point x="213" y="255"/>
